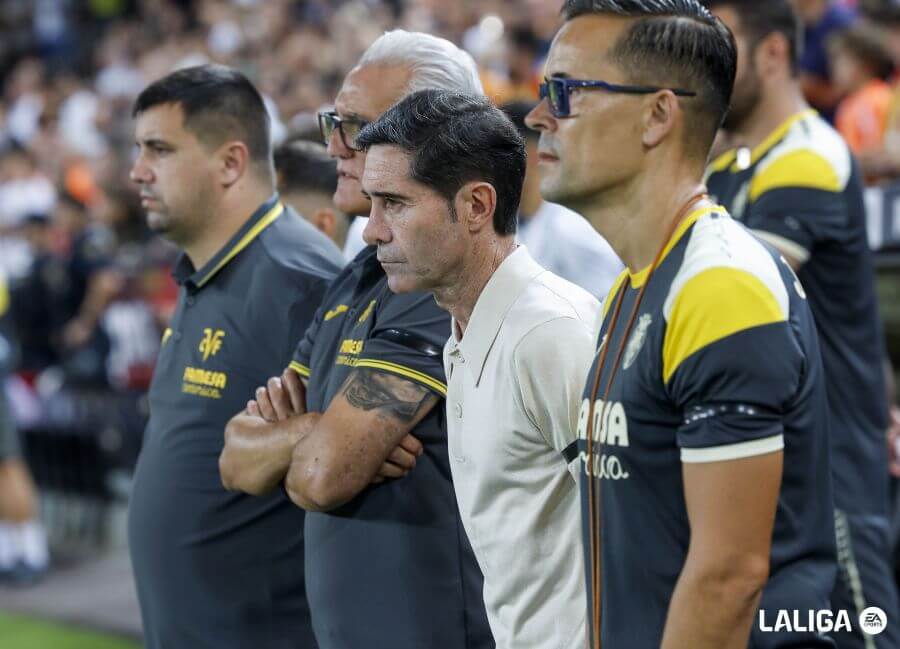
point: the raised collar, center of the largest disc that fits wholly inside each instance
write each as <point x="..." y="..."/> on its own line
<point x="499" y="294"/>
<point x="184" y="272"/>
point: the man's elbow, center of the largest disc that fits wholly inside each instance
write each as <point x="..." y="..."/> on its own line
<point x="734" y="579"/>
<point x="319" y="488"/>
<point x="234" y="477"/>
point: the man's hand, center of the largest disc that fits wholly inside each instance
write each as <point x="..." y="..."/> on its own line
<point x="893" y="441"/>
<point x="281" y="398"/>
<point x="401" y="461"/>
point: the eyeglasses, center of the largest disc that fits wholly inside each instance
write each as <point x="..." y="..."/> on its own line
<point x="348" y="128"/>
<point x="557" y="89"/>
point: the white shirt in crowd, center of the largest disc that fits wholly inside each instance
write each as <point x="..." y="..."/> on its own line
<point x="354" y="242"/>
<point x="514" y="384"/>
<point x="564" y="243"/>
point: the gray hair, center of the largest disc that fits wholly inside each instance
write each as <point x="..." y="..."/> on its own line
<point x="436" y="63"/>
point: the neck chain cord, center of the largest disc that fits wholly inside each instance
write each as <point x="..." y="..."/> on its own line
<point x="593" y="500"/>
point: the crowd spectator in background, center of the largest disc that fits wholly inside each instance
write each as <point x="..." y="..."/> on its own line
<point x="307" y="179"/>
<point x="820" y="19"/>
<point x="861" y="67"/>
<point x="23" y="543"/>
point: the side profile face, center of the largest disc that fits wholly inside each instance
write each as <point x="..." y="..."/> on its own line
<point x="599" y="145"/>
<point x="420" y="243"/>
<point x="367" y="92"/>
<point x="175" y="172"/>
<point x="747" y="84"/>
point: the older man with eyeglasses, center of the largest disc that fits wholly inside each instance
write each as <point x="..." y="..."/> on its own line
<point x="355" y="429"/>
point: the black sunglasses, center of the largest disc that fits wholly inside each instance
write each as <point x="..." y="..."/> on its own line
<point x="347" y="128"/>
<point x="557" y="89"/>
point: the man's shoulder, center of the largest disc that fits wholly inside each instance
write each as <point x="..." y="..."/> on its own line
<point x="299" y="251"/>
<point x="551" y="303"/>
<point x="722" y="252"/>
<point x="811" y="155"/>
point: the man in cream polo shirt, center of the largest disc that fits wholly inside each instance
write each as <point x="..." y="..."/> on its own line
<point x="444" y="172"/>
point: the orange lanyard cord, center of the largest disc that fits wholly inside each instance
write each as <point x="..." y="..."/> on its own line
<point x="593" y="501"/>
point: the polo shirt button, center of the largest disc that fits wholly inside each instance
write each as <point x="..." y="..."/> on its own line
<point x="190" y="301"/>
<point x="458" y="409"/>
<point x="177" y="335"/>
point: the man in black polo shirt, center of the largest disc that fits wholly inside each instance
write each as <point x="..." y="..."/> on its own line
<point x="388" y="565"/>
<point x="217" y="569"/>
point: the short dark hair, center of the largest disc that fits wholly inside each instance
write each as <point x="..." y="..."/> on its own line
<point x="674" y="43"/>
<point x="218" y="103"/>
<point x="305" y="166"/>
<point x="759" y="18"/>
<point x="453" y="139"/>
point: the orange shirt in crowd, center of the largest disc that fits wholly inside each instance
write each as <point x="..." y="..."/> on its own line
<point x="862" y="116"/>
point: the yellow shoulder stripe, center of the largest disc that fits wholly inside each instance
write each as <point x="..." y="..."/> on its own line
<point x="712" y="305"/>
<point x="406" y="372"/>
<point x="300" y="369"/>
<point x="799" y="168"/>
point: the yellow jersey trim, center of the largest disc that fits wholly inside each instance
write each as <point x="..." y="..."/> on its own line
<point x="775" y="136"/>
<point x="712" y="305"/>
<point x="640" y="277"/>
<point x="798" y="168"/>
<point x="166" y="335"/>
<point x="728" y="160"/>
<point x="261" y="225"/>
<point x="610" y="297"/>
<point x="722" y="163"/>
<point x="300" y="369"/>
<point x="405" y="372"/>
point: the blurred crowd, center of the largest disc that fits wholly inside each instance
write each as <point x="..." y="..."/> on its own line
<point x="89" y="287"/>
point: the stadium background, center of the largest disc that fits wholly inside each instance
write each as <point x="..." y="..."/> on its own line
<point x="69" y="71"/>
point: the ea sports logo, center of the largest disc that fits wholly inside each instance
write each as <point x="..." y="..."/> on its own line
<point x="872" y="620"/>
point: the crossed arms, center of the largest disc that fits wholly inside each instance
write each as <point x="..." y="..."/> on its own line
<point x="326" y="458"/>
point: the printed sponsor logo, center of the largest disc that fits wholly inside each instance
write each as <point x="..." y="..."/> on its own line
<point x="610" y="430"/>
<point x="203" y="383"/>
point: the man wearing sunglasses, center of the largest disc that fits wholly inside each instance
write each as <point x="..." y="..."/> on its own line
<point x="703" y="429"/>
<point x="388" y="565"/>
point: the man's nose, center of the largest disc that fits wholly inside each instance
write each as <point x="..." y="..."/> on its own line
<point x="376" y="231"/>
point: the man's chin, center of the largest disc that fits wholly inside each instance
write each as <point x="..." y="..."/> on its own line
<point x="553" y="192"/>
<point x="401" y="283"/>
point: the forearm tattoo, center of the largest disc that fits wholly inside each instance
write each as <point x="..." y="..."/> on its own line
<point x="368" y="389"/>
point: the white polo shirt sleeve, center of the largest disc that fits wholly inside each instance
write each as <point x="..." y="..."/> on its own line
<point x="552" y="362"/>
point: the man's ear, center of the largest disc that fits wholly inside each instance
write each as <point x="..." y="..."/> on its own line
<point x="234" y="158"/>
<point x="325" y="221"/>
<point x="772" y="52"/>
<point x="661" y="113"/>
<point x="476" y="203"/>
